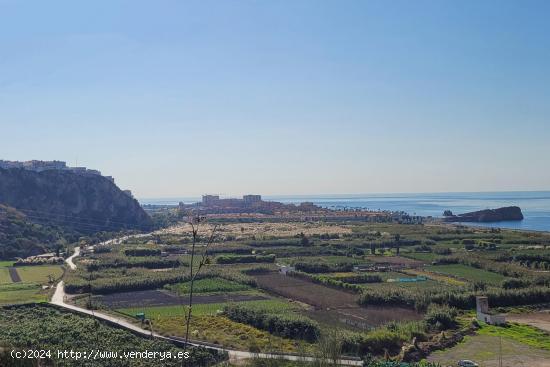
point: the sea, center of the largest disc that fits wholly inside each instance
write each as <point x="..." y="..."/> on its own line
<point x="535" y="205"/>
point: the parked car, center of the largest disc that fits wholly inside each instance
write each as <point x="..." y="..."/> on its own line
<point x="467" y="363"/>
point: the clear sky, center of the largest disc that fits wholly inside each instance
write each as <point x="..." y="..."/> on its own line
<point x="180" y="98"/>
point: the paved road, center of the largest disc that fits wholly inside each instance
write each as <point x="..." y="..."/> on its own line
<point x="59" y="298"/>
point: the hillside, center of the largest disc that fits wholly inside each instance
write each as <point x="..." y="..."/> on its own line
<point x="82" y="203"/>
<point x="21" y="238"/>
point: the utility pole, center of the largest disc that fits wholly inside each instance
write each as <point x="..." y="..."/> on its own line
<point x="500" y="353"/>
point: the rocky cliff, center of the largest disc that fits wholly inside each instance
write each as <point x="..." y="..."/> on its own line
<point x="488" y="215"/>
<point x="85" y="203"/>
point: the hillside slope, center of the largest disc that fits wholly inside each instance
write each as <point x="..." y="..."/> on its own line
<point x="20" y="237"/>
<point x="85" y="203"/>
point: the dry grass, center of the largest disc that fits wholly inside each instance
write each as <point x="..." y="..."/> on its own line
<point x="222" y="331"/>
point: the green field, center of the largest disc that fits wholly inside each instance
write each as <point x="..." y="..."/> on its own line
<point x="468" y="273"/>
<point x="39" y="273"/>
<point x="209" y="285"/>
<point x="6" y="263"/>
<point x="4" y="276"/>
<point x="423" y="285"/>
<point x="271" y="305"/>
<point x="422" y="256"/>
<point x="524" y="334"/>
<point x="21" y="293"/>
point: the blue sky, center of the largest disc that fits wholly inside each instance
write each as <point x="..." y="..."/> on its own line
<point x="180" y="98"/>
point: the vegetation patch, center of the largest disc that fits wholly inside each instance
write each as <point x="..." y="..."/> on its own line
<point x="45" y="327"/>
<point x="208" y="285"/>
<point x="42" y="274"/>
<point x="468" y="273"/>
<point x="524" y="334"/>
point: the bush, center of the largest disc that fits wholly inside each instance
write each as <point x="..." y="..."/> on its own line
<point x="323" y="267"/>
<point x="142" y="252"/>
<point x="243" y="259"/>
<point x="443" y="251"/>
<point x="441" y="317"/>
<point x="293" y="327"/>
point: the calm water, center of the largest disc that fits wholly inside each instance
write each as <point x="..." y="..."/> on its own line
<point x="535" y="205"/>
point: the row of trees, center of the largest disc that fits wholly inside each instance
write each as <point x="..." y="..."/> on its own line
<point x="142" y="251"/>
<point x="143" y="262"/>
<point x="318" y="267"/>
<point x="465" y="300"/>
<point x="287" y="326"/>
<point x="243" y="259"/>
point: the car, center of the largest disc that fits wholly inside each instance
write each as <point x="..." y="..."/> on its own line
<point x="467" y="363"/>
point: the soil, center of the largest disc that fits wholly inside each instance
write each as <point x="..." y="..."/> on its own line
<point x="164" y="298"/>
<point x="331" y="305"/>
<point x="484" y="350"/>
<point x="14" y="275"/>
<point x="539" y="319"/>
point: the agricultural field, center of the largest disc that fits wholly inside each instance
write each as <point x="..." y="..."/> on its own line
<point x="21" y="293"/>
<point x="28" y="287"/>
<point x="378" y="283"/>
<point x="467" y="272"/>
<point x="209" y="285"/>
<point x="271" y="305"/>
<point x="5" y="276"/>
<point x="485" y="350"/>
<point x="41" y="274"/>
<point x="36" y="326"/>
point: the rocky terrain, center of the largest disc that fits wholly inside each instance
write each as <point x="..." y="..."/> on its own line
<point x="488" y="215"/>
<point x="85" y="203"/>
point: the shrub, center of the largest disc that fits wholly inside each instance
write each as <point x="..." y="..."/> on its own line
<point x="240" y="259"/>
<point x="441" y="317"/>
<point x="323" y="267"/>
<point x="443" y="251"/>
<point x="142" y="252"/>
<point x="288" y="326"/>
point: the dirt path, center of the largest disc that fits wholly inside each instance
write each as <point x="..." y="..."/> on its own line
<point x="540" y="319"/>
<point x="14" y="274"/>
<point x="484" y="349"/>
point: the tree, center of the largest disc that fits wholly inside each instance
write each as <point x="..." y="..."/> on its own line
<point x="304" y="240"/>
<point x="397" y="239"/>
<point x="195" y="222"/>
<point x="447" y="213"/>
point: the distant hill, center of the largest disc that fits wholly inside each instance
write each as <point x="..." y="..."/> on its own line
<point x="77" y="203"/>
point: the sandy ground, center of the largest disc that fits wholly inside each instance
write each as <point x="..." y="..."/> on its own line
<point x="540" y="319"/>
<point x="484" y="350"/>
<point x="260" y="230"/>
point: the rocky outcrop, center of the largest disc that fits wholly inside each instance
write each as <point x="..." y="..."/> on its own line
<point x="85" y="203"/>
<point x="488" y="215"/>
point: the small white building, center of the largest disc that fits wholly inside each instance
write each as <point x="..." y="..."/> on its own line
<point x="483" y="314"/>
<point x="285" y="269"/>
